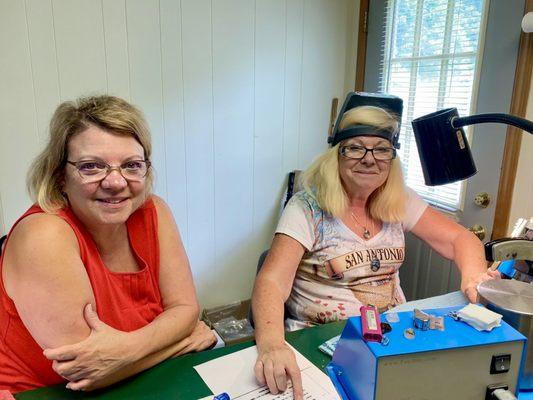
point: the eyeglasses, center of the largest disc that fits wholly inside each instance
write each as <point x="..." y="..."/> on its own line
<point x="94" y="171"/>
<point x="359" y="152"/>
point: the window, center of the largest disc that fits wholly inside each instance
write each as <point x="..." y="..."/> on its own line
<point x="431" y="54"/>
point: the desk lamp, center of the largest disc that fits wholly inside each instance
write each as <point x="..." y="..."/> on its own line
<point x="445" y="157"/>
<point x="442" y="145"/>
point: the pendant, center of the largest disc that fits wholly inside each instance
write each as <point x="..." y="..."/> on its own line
<point x="366" y="233"/>
<point x="375" y="264"/>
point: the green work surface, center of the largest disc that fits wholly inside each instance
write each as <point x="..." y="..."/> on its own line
<point x="177" y="379"/>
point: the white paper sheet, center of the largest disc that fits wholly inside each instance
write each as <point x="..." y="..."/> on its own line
<point x="234" y="375"/>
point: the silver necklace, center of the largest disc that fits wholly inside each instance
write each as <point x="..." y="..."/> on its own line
<point x="366" y="232"/>
<point x="375" y="264"/>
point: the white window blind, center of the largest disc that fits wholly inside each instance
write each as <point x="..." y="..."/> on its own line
<point x="430" y="59"/>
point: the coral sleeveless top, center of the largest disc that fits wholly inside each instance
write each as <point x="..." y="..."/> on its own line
<point x="125" y="301"/>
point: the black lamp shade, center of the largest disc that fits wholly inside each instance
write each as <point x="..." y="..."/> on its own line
<point x="444" y="151"/>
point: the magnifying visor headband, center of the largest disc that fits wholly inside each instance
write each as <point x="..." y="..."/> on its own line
<point x="365" y="130"/>
<point x="392" y="104"/>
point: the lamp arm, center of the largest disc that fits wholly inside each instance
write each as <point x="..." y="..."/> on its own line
<point x="458" y="122"/>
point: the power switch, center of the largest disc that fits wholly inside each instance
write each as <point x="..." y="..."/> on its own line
<point x="500" y="364"/>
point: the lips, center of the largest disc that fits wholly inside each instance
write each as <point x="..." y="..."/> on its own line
<point x="112" y="201"/>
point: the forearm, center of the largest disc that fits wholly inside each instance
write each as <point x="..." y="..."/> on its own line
<point x="165" y="332"/>
<point x="469" y="256"/>
<point x="267" y="304"/>
<point x="140" y="365"/>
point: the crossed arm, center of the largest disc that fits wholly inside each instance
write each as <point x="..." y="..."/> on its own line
<point x="48" y="283"/>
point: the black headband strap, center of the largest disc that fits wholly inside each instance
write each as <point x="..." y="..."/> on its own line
<point x="363" y="130"/>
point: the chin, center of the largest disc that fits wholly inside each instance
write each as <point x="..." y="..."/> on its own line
<point x="115" y="215"/>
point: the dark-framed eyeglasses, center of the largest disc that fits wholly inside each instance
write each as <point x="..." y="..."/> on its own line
<point x="95" y="171"/>
<point x="359" y="152"/>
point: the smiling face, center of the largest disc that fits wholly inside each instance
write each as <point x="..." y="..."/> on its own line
<point x="361" y="177"/>
<point x="112" y="200"/>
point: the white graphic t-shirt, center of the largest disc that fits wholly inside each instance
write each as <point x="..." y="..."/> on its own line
<point x="341" y="271"/>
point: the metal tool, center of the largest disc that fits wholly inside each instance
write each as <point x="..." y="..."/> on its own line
<point x="514" y="301"/>
<point x="421" y="320"/>
<point x="513" y="298"/>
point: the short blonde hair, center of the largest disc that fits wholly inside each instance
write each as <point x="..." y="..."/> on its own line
<point x="322" y="179"/>
<point x="109" y="113"/>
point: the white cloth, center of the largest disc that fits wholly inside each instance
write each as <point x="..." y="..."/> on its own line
<point x="320" y="294"/>
<point x="479" y="317"/>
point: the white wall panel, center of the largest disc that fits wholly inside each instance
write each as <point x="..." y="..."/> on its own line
<point x="324" y="54"/>
<point x="269" y="71"/>
<point x="144" y="49"/>
<point x="292" y="83"/>
<point x="198" y="123"/>
<point x="79" y="37"/>
<point x="233" y="83"/>
<point x="236" y="92"/>
<point x="43" y="62"/>
<point x="116" y="48"/>
<point x="19" y="141"/>
<point x="172" y="75"/>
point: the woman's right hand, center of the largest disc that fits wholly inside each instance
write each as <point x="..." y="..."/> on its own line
<point x="274" y="365"/>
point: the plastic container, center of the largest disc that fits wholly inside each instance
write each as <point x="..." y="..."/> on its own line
<point x="230" y="321"/>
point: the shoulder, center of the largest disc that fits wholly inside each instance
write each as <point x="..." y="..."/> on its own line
<point x="415" y="207"/>
<point x="305" y="200"/>
<point x="160" y="206"/>
<point x="42" y="248"/>
<point x="413" y="199"/>
<point x="39" y="228"/>
<point x="165" y="219"/>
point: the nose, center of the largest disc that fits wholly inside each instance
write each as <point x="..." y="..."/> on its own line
<point x="114" y="180"/>
<point x="368" y="159"/>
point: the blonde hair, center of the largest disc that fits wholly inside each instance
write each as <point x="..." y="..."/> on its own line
<point x="112" y="114"/>
<point x="322" y="179"/>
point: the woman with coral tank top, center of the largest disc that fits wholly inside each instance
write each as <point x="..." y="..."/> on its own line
<point x="96" y="285"/>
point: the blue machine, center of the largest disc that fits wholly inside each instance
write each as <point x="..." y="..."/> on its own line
<point x="457" y="363"/>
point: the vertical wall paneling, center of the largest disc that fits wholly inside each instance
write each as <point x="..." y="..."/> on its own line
<point x="292" y="83"/>
<point x="324" y="54"/>
<point x="198" y="125"/>
<point x="144" y="44"/>
<point x="116" y="48"/>
<point x="43" y="62"/>
<point x="269" y="70"/>
<point x="79" y="37"/>
<point x="3" y="228"/>
<point x="172" y="76"/>
<point x="233" y="99"/>
<point x="19" y="141"/>
<point x="237" y="94"/>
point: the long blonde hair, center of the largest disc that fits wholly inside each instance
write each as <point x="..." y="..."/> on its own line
<point x="322" y="179"/>
<point x="109" y="113"/>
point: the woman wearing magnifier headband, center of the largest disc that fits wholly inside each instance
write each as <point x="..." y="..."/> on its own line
<point x="340" y="242"/>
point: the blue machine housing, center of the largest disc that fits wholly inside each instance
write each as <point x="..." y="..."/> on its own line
<point x="354" y="367"/>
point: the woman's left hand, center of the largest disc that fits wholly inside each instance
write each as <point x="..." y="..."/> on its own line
<point x="469" y="285"/>
<point x="90" y="361"/>
<point x="201" y="338"/>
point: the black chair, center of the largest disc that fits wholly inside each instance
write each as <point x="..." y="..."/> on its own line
<point x="2" y="240"/>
